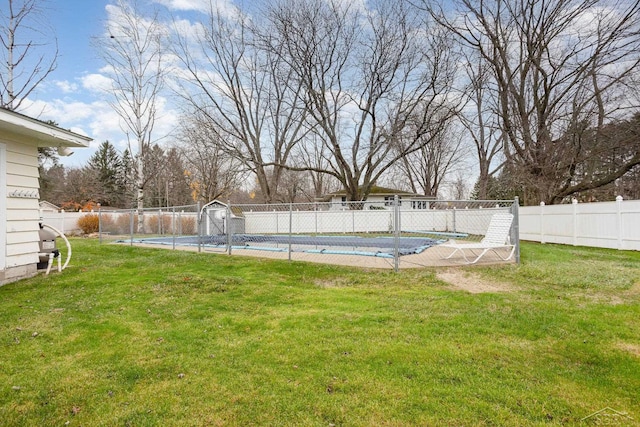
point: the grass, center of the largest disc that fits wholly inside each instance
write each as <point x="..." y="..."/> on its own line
<point x="145" y="337"/>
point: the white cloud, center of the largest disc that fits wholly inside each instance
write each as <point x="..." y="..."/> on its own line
<point x="66" y="86"/>
<point x="190" y="30"/>
<point x="196" y="5"/>
<point x="96" y="82"/>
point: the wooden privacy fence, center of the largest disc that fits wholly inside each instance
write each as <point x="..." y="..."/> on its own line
<point x="614" y="225"/>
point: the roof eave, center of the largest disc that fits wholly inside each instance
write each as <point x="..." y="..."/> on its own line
<point x="40" y="133"/>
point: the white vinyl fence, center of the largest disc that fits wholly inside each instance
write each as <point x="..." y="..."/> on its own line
<point x="614" y="225"/>
<point x="469" y="221"/>
<point x="66" y="222"/>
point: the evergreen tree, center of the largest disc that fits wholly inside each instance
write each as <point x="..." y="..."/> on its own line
<point x="107" y="165"/>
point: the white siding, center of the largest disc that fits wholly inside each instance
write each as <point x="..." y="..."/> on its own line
<point x="3" y="205"/>
<point x="19" y="138"/>
<point x="22" y="213"/>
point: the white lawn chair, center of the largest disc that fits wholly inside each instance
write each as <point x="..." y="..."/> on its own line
<point x="497" y="237"/>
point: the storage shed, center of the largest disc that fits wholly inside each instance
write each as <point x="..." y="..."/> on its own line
<point x="218" y="219"/>
<point x="20" y="137"/>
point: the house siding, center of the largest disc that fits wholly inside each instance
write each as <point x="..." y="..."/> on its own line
<point x="20" y="136"/>
<point x="21" y="210"/>
<point x="3" y="210"/>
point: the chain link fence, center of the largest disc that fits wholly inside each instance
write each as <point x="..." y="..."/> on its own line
<point x="160" y="226"/>
<point x="387" y="234"/>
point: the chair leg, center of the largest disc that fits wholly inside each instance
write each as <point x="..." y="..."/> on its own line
<point x="453" y="253"/>
<point x="478" y="257"/>
<point x="462" y="253"/>
<point x="513" y="251"/>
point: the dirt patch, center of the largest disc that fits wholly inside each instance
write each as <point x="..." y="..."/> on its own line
<point x="332" y="283"/>
<point x="630" y="348"/>
<point x="471" y="282"/>
<point x="635" y="290"/>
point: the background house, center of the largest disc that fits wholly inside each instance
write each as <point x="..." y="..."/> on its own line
<point x="20" y="137"/>
<point x="381" y="198"/>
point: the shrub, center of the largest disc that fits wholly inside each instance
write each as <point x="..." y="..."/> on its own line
<point x="123" y="223"/>
<point x="89" y="223"/>
<point x="159" y="223"/>
<point x="188" y="225"/>
<point x="108" y="224"/>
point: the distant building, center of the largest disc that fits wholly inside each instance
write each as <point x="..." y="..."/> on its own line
<point x="48" y="207"/>
<point x="381" y="198"/>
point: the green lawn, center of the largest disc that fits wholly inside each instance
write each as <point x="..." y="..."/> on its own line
<point x="131" y="336"/>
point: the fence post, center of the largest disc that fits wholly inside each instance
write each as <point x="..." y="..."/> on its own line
<point x="454" y="220"/>
<point x="541" y="222"/>
<point x="515" y="210"/>
<point x="228" y="220"/>
<point x="131" y="226"/>
<point x="290" y="227"/>
<point x="99" y="224"/>
<point x="619" y="219"/>
<point x="396" y="236"/>
<point x="173" y="226"/>
<point x="574" y="204"/>
<point x="199" y="226"/>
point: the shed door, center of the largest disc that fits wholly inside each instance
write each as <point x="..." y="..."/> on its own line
<point x="3" y="206"/>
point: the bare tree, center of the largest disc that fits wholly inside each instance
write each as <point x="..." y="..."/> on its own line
<point x="244" y="92"/>
<point x="459" y="187"/>
<point x="211" y="172"/>
<point x="167" y="184"/>
<point x="80" y="187"/>
<point x="365" y="75"/>
<point x="561" y="70"/>
<point x="427" y="168"/>
<point x="133" y="51"/>
<point x="314" y="156"/>
<point x="481" y="120"/>
<point x="29" y="52"/>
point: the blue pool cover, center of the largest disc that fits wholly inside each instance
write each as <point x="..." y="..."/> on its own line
<point x="346" y="245"/>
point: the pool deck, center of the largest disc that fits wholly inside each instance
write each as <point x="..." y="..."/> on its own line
<point x="432" y="257"/>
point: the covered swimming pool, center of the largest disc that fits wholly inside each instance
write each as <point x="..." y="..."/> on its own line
<point x="380" y="246"/>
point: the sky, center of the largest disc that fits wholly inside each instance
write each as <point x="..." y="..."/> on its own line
<point x="74" y="95"/>
<point x="66" y="96"/>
